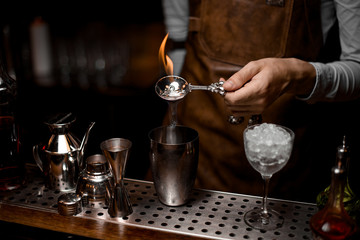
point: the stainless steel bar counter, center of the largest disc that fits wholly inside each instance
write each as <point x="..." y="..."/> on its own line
<point x="208" y="215"/>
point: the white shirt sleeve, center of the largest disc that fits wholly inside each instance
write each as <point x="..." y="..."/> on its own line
<point x="340" y="80"/>
<point x="176" y="17"/>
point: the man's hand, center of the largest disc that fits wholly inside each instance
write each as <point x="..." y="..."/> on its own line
<point x="259" y="83"/>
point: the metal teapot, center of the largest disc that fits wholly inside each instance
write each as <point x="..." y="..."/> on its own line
<point x="61" y="159"/>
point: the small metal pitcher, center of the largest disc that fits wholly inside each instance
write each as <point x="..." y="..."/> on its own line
<point x="61" y="160"/>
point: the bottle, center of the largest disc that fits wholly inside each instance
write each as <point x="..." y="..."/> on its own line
<point x="333" y="222"/>
<point x="12" y="168"/>
<point x="350" y="200"/>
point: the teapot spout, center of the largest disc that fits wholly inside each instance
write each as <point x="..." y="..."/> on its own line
<point x="83" y="144"/>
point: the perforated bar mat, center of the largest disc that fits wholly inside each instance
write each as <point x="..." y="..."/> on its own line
<point x="209" y="214"/>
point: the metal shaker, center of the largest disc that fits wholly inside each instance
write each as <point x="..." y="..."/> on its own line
<point x="95" y="182"/>
<point x="174" y="153"/>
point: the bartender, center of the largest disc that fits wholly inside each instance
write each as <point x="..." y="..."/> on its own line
<point x="283" y="59"/>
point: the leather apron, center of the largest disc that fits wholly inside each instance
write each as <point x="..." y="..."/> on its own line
<point x="224" y="36"/>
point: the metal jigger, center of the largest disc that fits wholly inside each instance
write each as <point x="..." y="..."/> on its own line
<point x="116" y="151"/>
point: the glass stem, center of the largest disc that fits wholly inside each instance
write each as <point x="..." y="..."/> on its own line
<point x="265" y="195"/>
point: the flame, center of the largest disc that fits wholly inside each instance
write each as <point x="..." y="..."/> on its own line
<point x="165" y="59"/>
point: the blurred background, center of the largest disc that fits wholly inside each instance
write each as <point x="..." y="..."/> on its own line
<point x="98" y="61"/>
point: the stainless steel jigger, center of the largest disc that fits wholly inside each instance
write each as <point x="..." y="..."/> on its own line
<point x="173" y="88"/>
<point x="116" y="151"/>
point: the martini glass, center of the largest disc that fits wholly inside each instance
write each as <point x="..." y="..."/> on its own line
<point x="268" y="148"/>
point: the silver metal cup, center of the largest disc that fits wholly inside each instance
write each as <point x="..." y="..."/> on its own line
<point x="116" y="151"/>
<point x="174" y="153"/>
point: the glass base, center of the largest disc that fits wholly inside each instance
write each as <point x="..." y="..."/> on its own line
<point x="257" y="219"/>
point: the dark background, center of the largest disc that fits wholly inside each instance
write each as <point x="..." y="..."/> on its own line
<point x="127" y="108"/>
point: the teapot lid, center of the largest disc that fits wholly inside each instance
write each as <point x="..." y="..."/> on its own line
<point x="61" y="119"/>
